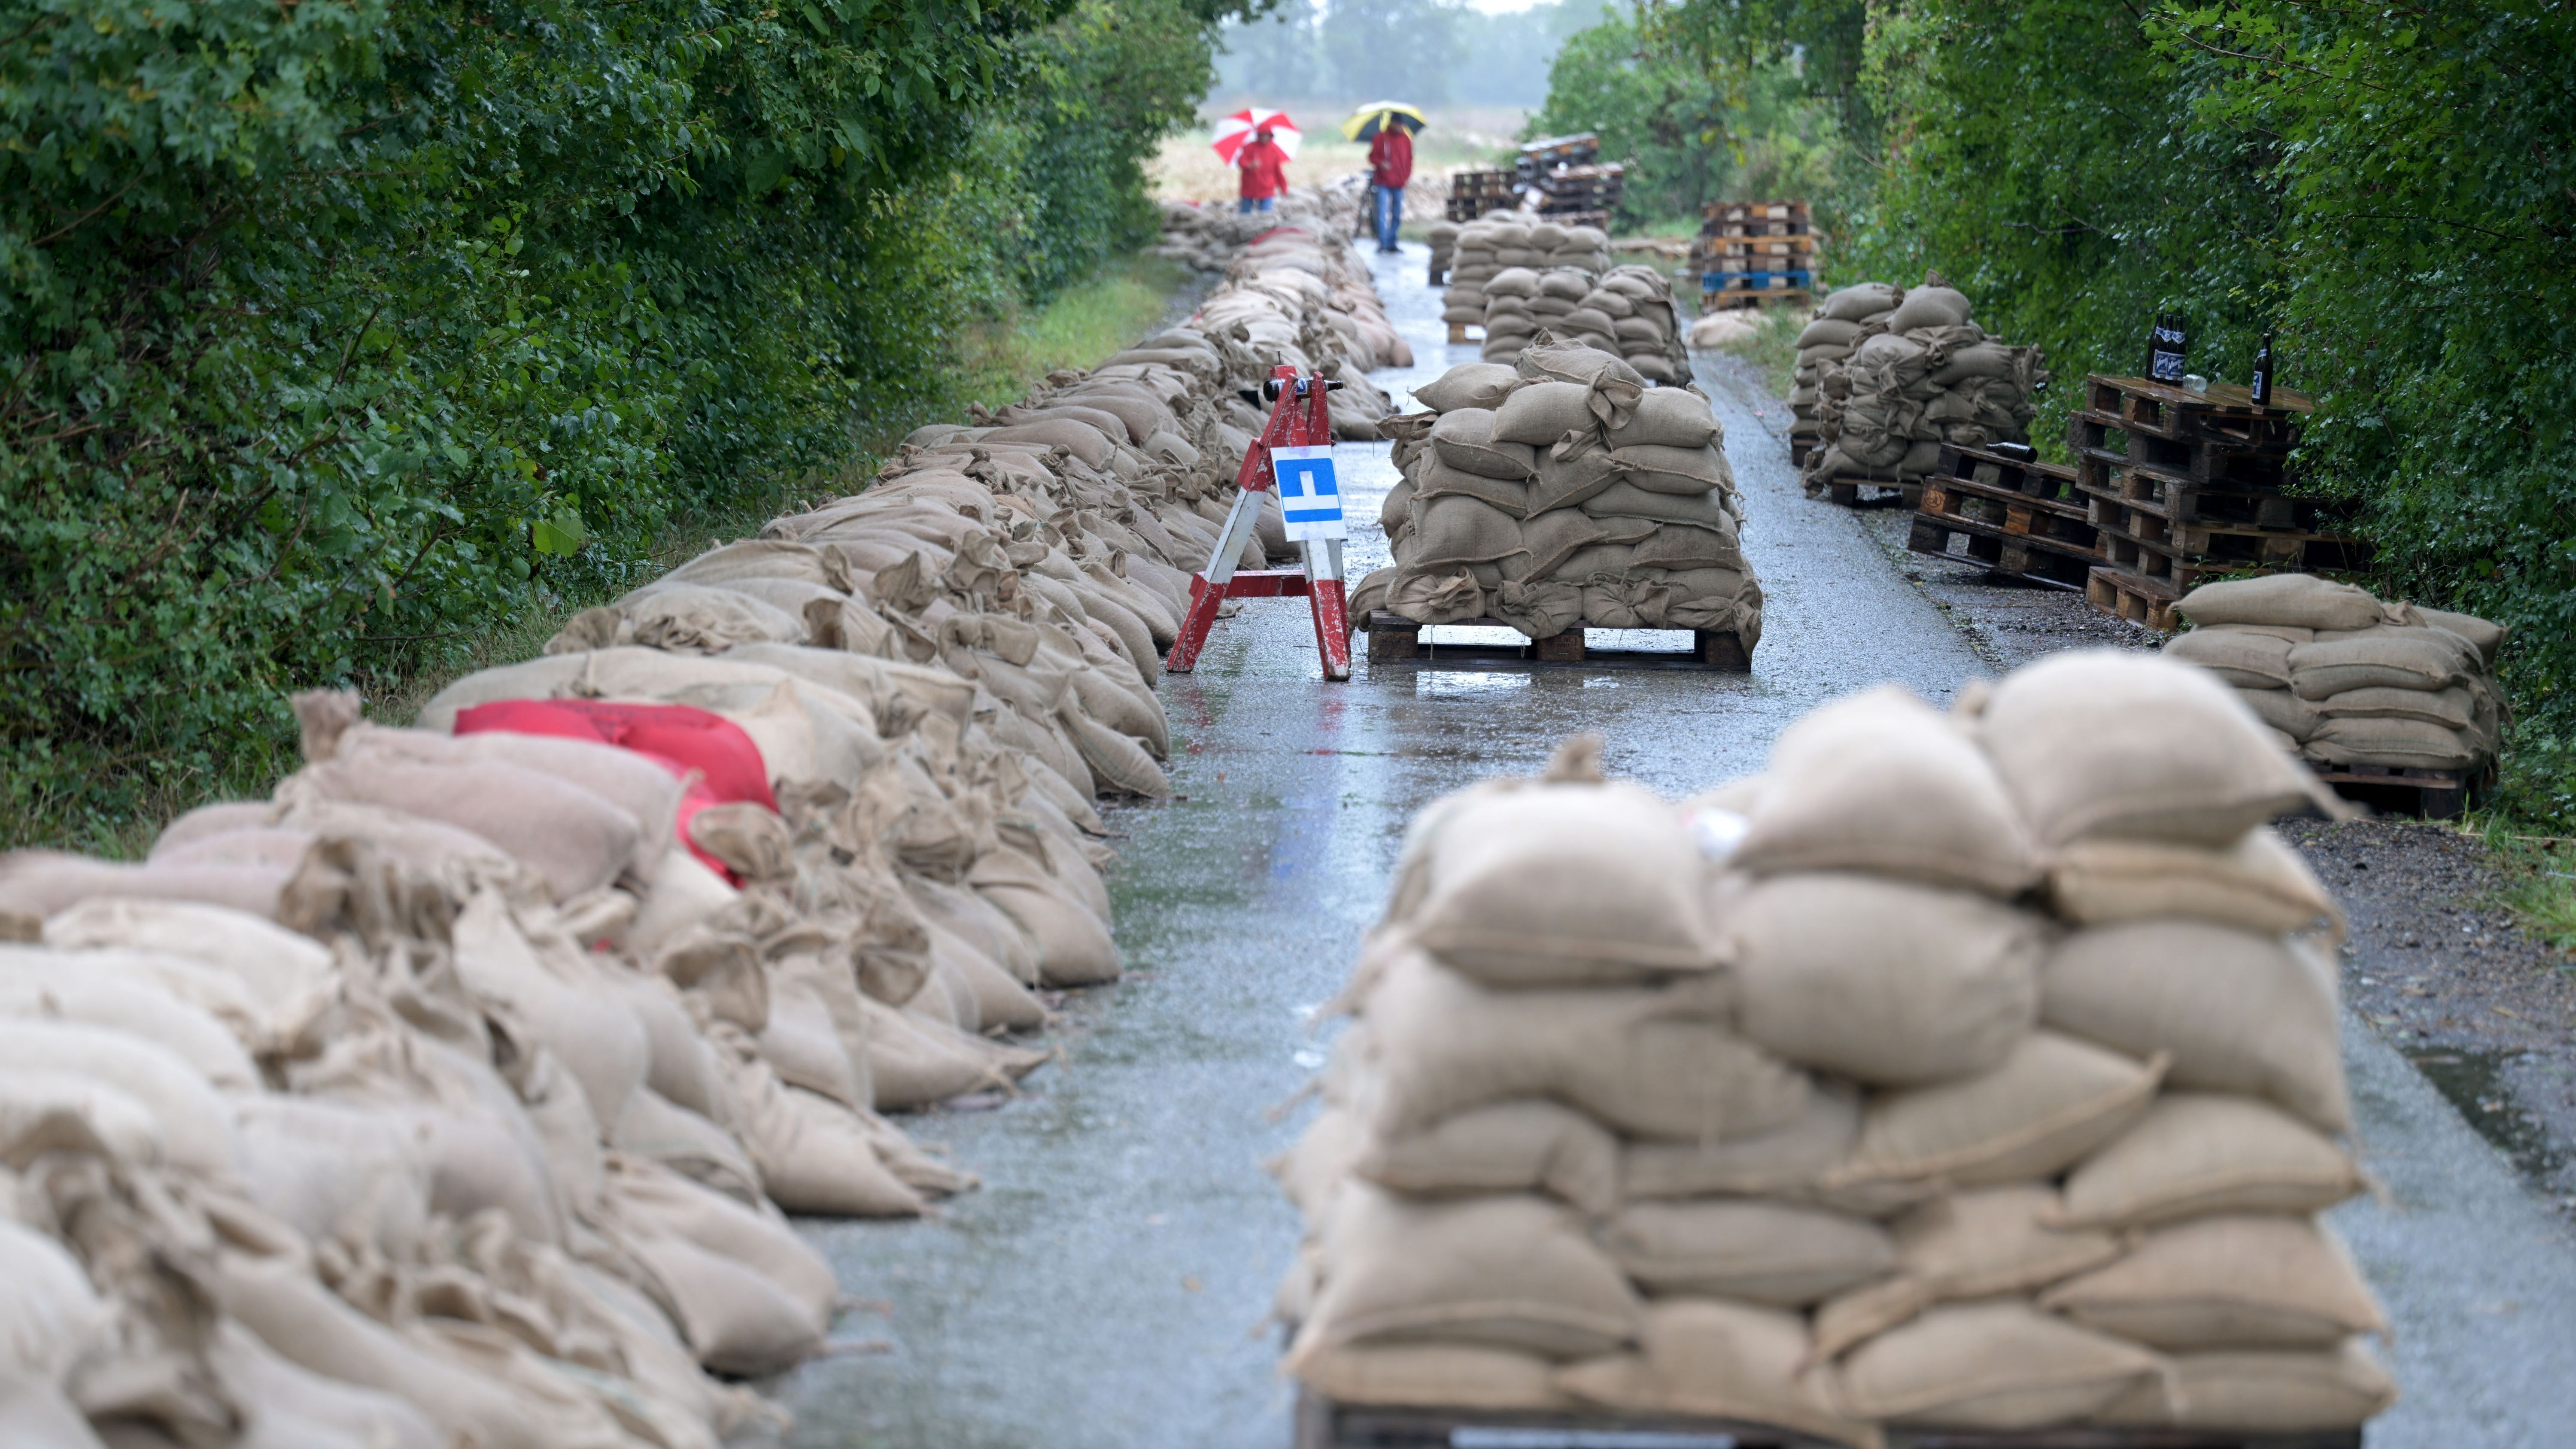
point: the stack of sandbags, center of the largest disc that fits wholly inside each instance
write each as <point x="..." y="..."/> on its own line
<point x="1443" y="236"/>
<point x="1975" y="1072"/>
<point x="2346" y="678"/>
<point x="1886" y="376"/>
<point x="1207" y="235"/>
<point x="1473" y="262"/>
<point x="1626" y="311"/>
<point x="1559" y="492"/>
<point x="1305" y="298"/>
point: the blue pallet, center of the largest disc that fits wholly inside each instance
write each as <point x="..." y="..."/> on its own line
<point x="1717" y="281"/>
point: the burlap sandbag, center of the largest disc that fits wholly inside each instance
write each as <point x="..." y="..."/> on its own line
<point x="2235" y="1011"/>
<point x="1510" y="1272"/>
<point x="1434" y="478"/>
<point x="1827" y="332"/>
<point x="2303" y="600"/>
<point x="1454" y="528"/>
<point x="1995" y="1241"/>
<point x="334" y="1171"/>
<point x="1453" y="1375"/>
<point x="192" y="1122"/>
<point x="1567" y="884"/>
<point x="1992" y="1366"/>
<point x="2257" y="884"/>
<point x="1074" y="947"/>
<point x="1860" y="302"/>
<point x="40" y="883"/>
<point x="2483" y="635"/>
<point x="1435" y="596"/>
<point x="2385" y="656"/>
<point x="1542" y="412"/>
<point x="814" y="1154"/>
<point x="577" y="838"/>
<point x="1684" y="546"/>
<point x="1686" y="471"/>
<point x="56" y="986"/>
<point x="2248" y="661"/>
<point x="1886" y="982"/>
<point x="1723" y="1361"/>
<point x="2413" y="743"/>
<point x="1528" y="1146"/>
<point x="1651" y="1063"/>
<point x="2196" y="1153"/>
<point x="1777" y="1254"/>
<point x="1574" y="478"/>
<point x="2283" y="710"/>
<point x="1464" y="439"/>
<point x="1881" y="782"/>
<point x="1786" y="1162"/>
<point x="1625" y="499"/>
<point x="2102" y="742"/>
<point x="2258" y="1391"/>
<point x="2454" y="709"/>
<point x="2051" y="1103"/>
<point x="51" y="1315"/>
<point x="750" y="1297"/>
<point x="2255" y="1280"/>
<point x="1668" y="417"/>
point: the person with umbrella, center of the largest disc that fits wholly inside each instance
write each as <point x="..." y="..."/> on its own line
<point x="1388" y="127"/>
<point x="1265" y="171"/>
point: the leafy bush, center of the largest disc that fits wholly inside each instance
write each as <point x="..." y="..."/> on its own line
<point x="2393" y="189"/>
<point x="333" y="333"/>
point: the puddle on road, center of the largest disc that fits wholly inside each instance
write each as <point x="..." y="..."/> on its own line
<point x="2473" y="1080"/>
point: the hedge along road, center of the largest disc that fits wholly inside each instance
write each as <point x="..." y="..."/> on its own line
<point x="1109" y="1286"/>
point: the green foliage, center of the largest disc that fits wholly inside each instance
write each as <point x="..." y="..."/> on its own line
<point x="1687" y="136"/>
<point x="333" y="334"/>
<point x="2393" y="189"/>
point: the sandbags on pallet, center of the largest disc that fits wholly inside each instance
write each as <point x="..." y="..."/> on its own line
<point x="1957" y="1121"/>
<point x="1887" y="375"/>
<point x="1504" y="240"/>
<point x="1626" y="311"/>
<point x="1562" y="489"/>
<point x="2348" y="679"/>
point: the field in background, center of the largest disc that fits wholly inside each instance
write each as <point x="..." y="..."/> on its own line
<point x="1187" y="168"/>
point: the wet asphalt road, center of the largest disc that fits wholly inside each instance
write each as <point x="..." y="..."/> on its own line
<point x="1108" y="1287"/>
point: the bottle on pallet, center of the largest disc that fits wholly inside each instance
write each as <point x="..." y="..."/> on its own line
<point x="2262" y="387"/>
<point x="2167" y="342"/>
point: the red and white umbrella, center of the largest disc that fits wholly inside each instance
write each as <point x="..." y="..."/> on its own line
<point x="1233" y="131"/>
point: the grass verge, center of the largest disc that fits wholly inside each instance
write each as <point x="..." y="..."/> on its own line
<point x="997" y="363"/>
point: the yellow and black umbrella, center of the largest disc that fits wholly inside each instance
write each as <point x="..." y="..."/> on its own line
<point x="1376" y="116"/>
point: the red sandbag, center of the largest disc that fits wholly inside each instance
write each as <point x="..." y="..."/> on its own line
<point x="680" y="738"/>
<point x="679" y="735"/>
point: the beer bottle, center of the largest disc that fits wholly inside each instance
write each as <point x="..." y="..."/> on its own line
<point x="2166" y="347"/>
<point x="2262" y="388"/>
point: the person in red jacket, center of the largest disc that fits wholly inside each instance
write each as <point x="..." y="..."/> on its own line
<point x="1265" y="172"/>
<point x="1390" y="166"/>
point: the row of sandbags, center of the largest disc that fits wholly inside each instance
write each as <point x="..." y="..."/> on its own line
<point x="1208" y="235"/>
<point x="1484" y="248"/>
<point x="1305" y="298"/>
<point x="1887" y="375"/>
<point x="454" y="1094"/>
<point x="1972" y="1072"/>
<point x="1627" y="311"/>
<point x="2348" y="679"/>
<point x="1562" y="491"/>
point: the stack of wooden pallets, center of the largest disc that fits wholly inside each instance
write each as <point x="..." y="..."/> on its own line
<point x="1751" y="252"/>
<point x="2015" y="515"/>
<point x="1472" y="193"/>
<point x="2182" y="486"/>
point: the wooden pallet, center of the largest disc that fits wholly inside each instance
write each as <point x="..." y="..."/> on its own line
<point x="1722" y="213"/>
<point x="2019" y="476"/>
<point x="2143" y="601"/>
<point x="1322" y="1424"/>
<point x="1739" y="299"/>
<point x="1723" y="282"/>
<point x="2405" y="789"/>
<point x="1394" y="638"/>
<point x="1888" y="489"/>
<point x="2046" y="540"/>
<point x="2224" y="416"/>
<point x="1458" y="334"/>
<point x="2218" y="544"/>
<point x="1800" y="446"/>
<point x="2247" y="469"/>
<point x="2177" y="496"/>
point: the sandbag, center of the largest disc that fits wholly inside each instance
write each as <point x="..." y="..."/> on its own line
<point x="2102" y="743"/>
<point x="2253" y="1280"/>
<point x="1509" y="1272"/>
<point x="1886" y="982"/>
<point x="2257" y="884"/>
<point x="1457" y="1375"/>
<point x="1464" y="439"/>
<point x="2385" y="656"/>
<point x="2301" y="599"/>
<point x="2197" y="1153"/>
<point x="1565" y="884"/>
<point x="2052" y="1102"/>
<point x="2248" y="661"/>
<point x="1724" y="1361"/>
<point x="1785" y="1162"/>
<point x="2260" y="1391"/>
<point x="1992" y="1366"/>
<point x="1651" y="1063"/>
<point x="1880" y="782"/>
<point x="2234" y="1011"/>
<point x="1525" y="1146"/>
<point x="1747" y="1250"/>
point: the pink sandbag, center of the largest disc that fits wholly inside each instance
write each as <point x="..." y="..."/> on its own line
<point x="680" y="738"/>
